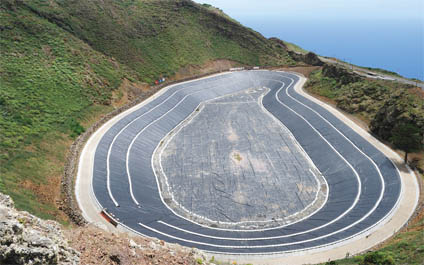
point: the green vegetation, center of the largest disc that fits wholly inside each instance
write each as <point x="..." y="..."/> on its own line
<point x="407" y="138"/>
<point x="145" y="34"/>
<point x="382" y="71"/>
<point x="395" y="113"/>
<point x="49" y="82"/>
<point x="62" y="61"/>
<point x="237" y="157"/>
<point x="382" y="104"/>
<point x="371" y="258"/>
<point x="404" y="248"/>
<point x="416" y="80"/>
<point x="295" y="48"/>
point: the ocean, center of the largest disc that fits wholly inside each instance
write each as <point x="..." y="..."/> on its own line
<point x="397" y="46"/>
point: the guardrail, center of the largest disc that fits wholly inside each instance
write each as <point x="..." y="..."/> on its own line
<point x="236" y="69"/>
<point x="110" y="217"/>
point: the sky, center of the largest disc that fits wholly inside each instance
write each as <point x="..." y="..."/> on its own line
<point x="385" y="34"/>
<point x="322" y="9"/>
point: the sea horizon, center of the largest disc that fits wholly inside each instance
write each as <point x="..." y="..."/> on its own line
<point x="394" y="45"/>
<point x="378" y="34"/>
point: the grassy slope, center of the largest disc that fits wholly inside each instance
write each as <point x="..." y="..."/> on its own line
<point x="295" y="48"/>
<point x="157" y="37"/>
<point x="61" y="61"/>
<point x="364" y="98"/>
<point x="50" y="81"/>
<point x="370" y="100"/>
<point x="405" y="248"/>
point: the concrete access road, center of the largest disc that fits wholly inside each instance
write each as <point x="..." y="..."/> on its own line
<point x="374" y="75"/>
<point x="364" y="186"/>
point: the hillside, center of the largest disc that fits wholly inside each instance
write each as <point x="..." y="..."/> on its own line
<point x="380" y="106"/>
<point x="66" y="63"/>
<point x="156" y="38"/>
<point x="26" y="239"/>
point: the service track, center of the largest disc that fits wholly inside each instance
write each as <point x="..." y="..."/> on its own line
<point x="364" y="186"/>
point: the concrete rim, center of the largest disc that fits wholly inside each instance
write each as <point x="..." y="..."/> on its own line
<point x="406" y="207"/>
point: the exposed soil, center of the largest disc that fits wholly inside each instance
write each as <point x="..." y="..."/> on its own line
<point x="417" y="91"/>
<point x="127" y="92"/>
<point x="49" y="191"/>
<point x="99" y="247"/>
<point x="360" y="122"/>
<point x="304" y="70"/>
<point x="211" y="66"/>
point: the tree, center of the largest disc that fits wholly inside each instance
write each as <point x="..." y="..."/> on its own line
<point x="407" y="137"/>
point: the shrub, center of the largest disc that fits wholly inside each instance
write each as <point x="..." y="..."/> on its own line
<point x="378" y="258"/>
<point x="75" y="128"/>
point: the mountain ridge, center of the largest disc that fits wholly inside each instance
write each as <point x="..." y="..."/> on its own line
<point x="66" y="64"/>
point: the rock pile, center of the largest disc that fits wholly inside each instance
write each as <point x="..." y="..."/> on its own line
<point x="26" y="239"/>
<point x="309" y="58"/>
<point x="101" y="247"/>
<point x="340" y="74"/>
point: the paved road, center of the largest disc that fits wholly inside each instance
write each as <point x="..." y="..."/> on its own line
<point x="364" y="186"/>
<point x="375" y="75"/>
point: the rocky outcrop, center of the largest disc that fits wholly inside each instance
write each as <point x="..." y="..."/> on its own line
<point x="312" y="59"/>
<point x="278" y="42"/>
<point x="100" y="247"/>
<point x="309" y="58"/>
<point x="298" y="57"/>
<point x="26" y="239"/>
<point x="340" y="74"/>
